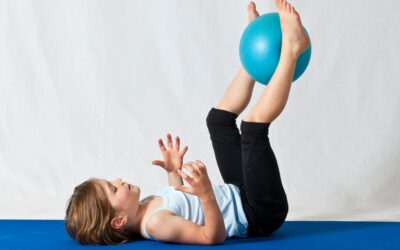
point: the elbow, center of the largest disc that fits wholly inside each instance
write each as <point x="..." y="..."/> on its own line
<point x="214" y="242"/>
<point x="217" y="240"/>
<point x="220" y="239"/>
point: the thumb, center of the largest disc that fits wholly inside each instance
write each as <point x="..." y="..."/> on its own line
<point x="158" y="163"/>
<point x="181" y="188"/>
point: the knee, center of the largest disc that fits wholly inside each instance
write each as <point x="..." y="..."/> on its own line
<point x="220" y="117"/>
<point x="210" y="119"/>
<point x="257" y="118"/>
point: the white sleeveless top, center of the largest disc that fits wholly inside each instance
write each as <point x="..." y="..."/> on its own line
<point x="189" y="207"/>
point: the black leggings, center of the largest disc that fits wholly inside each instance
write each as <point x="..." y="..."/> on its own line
<point x="247" y="161"/>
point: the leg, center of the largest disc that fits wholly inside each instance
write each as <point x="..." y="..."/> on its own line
<point x="275" y="95"/>
<point x="262" y="182"/>
<point x="238" y="94"/>
<point x="221" y="122"/>
<point x="226" y="143"/>
<point x="294" y="42"/>
<point x="263" y="186"/>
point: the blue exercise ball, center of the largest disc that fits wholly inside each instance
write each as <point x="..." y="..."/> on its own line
<point x="260" y="49"/>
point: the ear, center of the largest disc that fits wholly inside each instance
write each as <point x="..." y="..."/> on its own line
<point x="118" y="222"/>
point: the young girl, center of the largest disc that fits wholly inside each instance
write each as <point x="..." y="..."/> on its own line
<point x="252" y="202"/>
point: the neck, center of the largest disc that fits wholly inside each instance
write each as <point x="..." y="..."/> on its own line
<point x="138" y="217"/>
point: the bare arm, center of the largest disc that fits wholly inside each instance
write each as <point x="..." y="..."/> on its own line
<point x="214" y="227"/>
<point x="168" y="227"/>
<point x="174" y="179"/>
<point x="200" y="185"/>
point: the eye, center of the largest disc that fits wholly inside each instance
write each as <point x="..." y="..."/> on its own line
<point x="112" y="187"/>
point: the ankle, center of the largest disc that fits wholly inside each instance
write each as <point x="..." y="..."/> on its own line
<point x="290" y="53"/>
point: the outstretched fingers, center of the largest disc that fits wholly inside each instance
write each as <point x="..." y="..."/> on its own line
<point x="183" y="152"/>
<point x="162" y="146"/>
<point x="177" y="143"/>
<point x="169" y="140"/>
<point x="169" y="143"/>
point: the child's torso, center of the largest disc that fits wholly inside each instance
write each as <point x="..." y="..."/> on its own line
<point x="171" y="202"/>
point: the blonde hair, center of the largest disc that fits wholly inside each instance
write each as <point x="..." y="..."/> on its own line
<point x="89" y="214"/>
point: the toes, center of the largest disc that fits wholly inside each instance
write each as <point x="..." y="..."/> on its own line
<point x="256" y="12"/>
<point x="287" y="7"/>
<point x="283" y="5"/>
<point x="252" y="12"/>
<point x="294" y="11"/>
<point x="250" y="5"/>
<point x="279" y="4"/>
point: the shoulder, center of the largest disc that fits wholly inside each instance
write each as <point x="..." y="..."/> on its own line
<point x="160" y="223"/>
<point x="159" y="217"/>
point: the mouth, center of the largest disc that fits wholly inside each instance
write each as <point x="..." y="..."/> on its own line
<point x="130" y="186"/>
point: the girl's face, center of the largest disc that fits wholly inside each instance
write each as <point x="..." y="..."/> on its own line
<point x="124" y="197"/>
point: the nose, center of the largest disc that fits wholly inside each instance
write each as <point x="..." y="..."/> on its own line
<point x="118" y="181"/>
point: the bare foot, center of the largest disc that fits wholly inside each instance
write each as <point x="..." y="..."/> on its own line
<point x="252" y="11"/>
<point x="294" y="39"/>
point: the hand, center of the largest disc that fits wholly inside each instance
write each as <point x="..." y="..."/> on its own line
<point x="172" y="157"/>
<point x="199" y="182"/>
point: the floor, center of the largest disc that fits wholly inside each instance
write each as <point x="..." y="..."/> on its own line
<point x="50" y="234"/>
